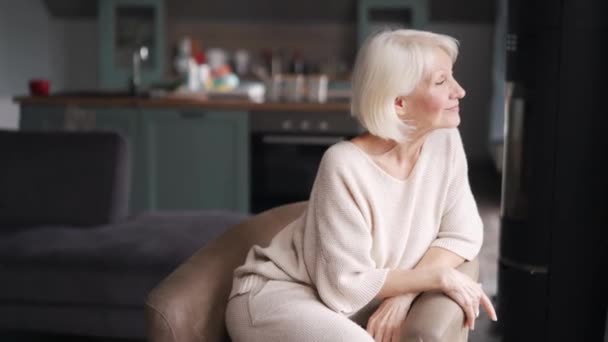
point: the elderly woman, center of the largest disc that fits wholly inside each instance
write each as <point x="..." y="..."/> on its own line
<point x="391" y="213"/>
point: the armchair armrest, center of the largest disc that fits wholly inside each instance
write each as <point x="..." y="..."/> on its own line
<point x="436" y="317"/>
<point x="189" y="305"/>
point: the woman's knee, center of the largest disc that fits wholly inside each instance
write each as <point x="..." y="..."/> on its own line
<point x="237" y="319"/>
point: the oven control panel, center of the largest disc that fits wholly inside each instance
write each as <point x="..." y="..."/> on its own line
<point x="311" y="123"/>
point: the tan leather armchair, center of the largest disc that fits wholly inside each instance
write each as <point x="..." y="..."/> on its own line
<point x="189" y="305"/>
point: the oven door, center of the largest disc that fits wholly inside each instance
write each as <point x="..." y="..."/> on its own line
<point x="284" y="167"/>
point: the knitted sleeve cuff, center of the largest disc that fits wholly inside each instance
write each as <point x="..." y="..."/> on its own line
<point x="352" y="292"/>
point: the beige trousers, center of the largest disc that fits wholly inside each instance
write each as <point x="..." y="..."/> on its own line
<point x="287" y="311"/>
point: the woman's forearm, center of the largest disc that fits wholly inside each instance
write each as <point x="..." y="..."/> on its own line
<point x="413" y="281"/>
<point x="440" y="257"/>
<point x="424" y="276"/>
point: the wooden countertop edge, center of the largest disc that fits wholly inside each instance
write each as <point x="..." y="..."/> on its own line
<point x="174" y="102"/>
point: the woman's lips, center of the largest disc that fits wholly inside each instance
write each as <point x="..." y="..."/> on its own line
<point x="454" y="109"/>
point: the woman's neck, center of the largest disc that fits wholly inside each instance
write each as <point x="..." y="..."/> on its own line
<point x="395" y="158"/>
<point x="401" y="152"/>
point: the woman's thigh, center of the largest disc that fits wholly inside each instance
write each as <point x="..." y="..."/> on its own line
<point x="285" y="311"/>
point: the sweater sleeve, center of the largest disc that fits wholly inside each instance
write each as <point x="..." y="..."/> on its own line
<point x="461" y="228"/>
<point x="339" y="241"/>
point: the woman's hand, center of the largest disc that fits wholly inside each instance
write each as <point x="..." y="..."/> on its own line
<point x="466" y="293"/>
<point x="386" y="322"/>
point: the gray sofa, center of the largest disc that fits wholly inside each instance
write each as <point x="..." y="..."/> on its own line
<point x="71" y="259"/>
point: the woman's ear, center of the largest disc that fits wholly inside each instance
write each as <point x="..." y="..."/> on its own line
<point x="400" y="106"/>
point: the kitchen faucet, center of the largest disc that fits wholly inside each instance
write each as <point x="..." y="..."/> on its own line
<point x="139" y="55"/>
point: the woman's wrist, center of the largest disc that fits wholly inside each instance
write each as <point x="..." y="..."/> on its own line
<point x="410" y="295"/>
<point x="436" y="277"/>
<point x="401" y="282"/>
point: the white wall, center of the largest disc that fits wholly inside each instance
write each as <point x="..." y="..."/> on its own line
<point x="35" y="45"/>
<point x="74" y="52"/>
<point x="24" y="52"/>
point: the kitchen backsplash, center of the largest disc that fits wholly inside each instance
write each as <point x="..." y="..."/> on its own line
<point x="316" y="42"/>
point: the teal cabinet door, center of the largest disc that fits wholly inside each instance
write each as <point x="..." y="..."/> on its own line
<point x="196" y="159"/>
<point x="126" y="121"/>
<point x="376" y="15"/>
<point x="124" y="27"/>
<point x="42" y="118"/>
<point x="117" y="119"/>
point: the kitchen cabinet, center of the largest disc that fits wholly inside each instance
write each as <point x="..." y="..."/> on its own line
<point x="127" y="122"/>
<point x="42" y="118"/>
<point x="181" y="159"/>
<point x="124" y="27"/>
<point x="196" y="159"/>
<point x="375" y="15"/>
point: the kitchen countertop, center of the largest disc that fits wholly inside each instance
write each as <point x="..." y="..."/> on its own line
<point x="177" y="101"/>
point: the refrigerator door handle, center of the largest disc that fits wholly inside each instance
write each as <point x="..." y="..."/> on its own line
<point x="514" y="201"/>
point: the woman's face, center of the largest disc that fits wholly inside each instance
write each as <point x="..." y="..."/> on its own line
<point x="434" y="102"/>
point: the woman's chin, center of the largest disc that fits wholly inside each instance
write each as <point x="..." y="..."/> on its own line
<point x="452" y="120"/>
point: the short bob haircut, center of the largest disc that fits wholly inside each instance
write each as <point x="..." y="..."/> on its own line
<point x="389" y="65"/>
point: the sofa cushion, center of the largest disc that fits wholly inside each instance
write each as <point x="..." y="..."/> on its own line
<point x="115" y="264"/>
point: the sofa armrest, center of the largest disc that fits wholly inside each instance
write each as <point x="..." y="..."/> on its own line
<point x="189" y="305"/>
<point x="436" y="317"/>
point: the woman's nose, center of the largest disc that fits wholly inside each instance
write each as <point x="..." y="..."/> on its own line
<point x="458" y="91"/>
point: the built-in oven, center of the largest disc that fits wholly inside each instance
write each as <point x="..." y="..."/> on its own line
<point x="286" y="149"/>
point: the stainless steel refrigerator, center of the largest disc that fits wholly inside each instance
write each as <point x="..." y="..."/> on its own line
<point x="552" y="261"/>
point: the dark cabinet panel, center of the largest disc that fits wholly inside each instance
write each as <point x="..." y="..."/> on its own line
<point x="470" y="11"/>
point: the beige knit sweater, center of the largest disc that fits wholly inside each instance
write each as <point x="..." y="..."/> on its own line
<point x="361" y="222"/>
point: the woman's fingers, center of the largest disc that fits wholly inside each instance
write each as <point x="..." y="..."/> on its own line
<point x="469" y="295"/>
<point x="470" y="312"/>
<point x="473" y="294"/>
<point x="393" y="335"/>
<point x="385" y="324"/>
<point x="475" y="309"/>
<point x="379" y="335"/>
<point x="473" y="303"/>
<point x="464" y="300"/>
<point x="370" y="326"/>
<point x="374" y="328"/>
<point x="487" y="305"/>
<point x="476" y="299"/>
<point x="396" y="335"/>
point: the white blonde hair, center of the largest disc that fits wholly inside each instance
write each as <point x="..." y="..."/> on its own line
<point x="391" y="64"/>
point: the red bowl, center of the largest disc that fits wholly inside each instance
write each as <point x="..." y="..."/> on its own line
<point x="40" y="87"/>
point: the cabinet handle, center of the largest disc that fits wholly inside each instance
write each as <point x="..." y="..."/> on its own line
<point x="192" y="115"/>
